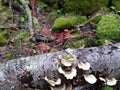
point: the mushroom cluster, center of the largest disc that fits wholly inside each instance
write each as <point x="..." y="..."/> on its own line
<point x="109" y="81"/>
<point x="69" y="70"/>
<point x="85" y="66"/>
<point x="67" y="66"/>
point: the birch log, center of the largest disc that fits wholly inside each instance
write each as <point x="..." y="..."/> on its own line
<point x="43" y="72"/>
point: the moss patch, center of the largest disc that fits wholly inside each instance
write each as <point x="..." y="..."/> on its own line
<point x="8" y="55"/>
<point x="62" y="23"/>
<point x="82" y="19"/>
<point x="75" y="44"/>
<point x="77" y="34"/>
<point x="96" y="18"/>
<point x="22" y="36"/>
<point x="3" y="39"/>
<point x="109" y="27"/>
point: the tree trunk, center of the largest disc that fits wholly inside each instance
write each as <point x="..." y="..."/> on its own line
<point x="31" y="72"/>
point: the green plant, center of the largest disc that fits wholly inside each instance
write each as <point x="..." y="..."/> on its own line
<point x="107" y="88"/>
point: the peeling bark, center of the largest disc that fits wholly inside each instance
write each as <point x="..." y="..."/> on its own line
<point x="30" y="72"/>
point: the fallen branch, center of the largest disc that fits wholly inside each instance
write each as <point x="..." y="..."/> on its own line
<point x="63" y="69"/>
<point x="29" y="14"/>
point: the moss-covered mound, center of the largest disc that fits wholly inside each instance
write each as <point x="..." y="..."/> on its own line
<point x="62" y="23"/>
<point x="109" y="27"/>
<point x="84" y="6"/>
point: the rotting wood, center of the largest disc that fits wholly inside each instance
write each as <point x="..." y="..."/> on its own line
<point x="30" y="72"/>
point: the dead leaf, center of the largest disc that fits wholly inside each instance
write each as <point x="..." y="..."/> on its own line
<point x="45" y="35"/>
<point x="62" y="37"/>
<point x="43" y="48"/>
<point x="46" y="32"/>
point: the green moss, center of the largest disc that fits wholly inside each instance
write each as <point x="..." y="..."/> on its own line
<point x="3" y="40"/>
<point x="82" y="19"/>
<point x="78" y="34"/>
<point x="94" y="42"/>
<point x="86" y="7"/>
<point x="96" y="18"/>
<point x="89" y="42"/>
<point x="99" y="42"/>
<point x="22" y="36"/>
<point x="116" y="3"/>
<point x="109" y="27"/>
<point x="8" y="55"/>
<point x="75" y="44"/>
<point x="62" y="23"/>
<point x="36" y="25"/>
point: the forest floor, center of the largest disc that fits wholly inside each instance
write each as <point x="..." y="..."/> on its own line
<point x="55" y="42"/>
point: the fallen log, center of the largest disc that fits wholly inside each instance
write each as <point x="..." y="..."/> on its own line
<point x="62" y="70"/>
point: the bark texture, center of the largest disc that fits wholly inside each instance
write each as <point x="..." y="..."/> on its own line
<point x="30" y="72"/>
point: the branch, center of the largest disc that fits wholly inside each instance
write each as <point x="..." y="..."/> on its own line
<point x="63" y="69"/>
<point x="28" y="12"/>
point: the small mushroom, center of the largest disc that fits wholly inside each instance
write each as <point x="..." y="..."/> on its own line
<point x="84" y="65"/>
<point x="66" y="59"/>
<point x="52" y="82"/>
<point x="102" y="79"/>
<point x="90" y="78"/>
<point x="68" y="74"/>
<point x="111" y="82"/>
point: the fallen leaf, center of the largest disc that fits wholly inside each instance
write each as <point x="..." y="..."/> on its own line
<point x="45" y="35"/>
<point x="46" y="32"/>
<point x="63" y="36"/>
<point x="43" y="48"/>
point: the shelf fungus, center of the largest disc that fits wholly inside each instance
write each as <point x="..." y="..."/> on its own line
<point x="52" y="82"/>
<point x="90" y="78"/>
<point x="109" y="82"/>
<point x="68" y="74"/>
<point x="66" y="59"/>
<point x="84" y="65"/>
<point x="67" y="66"/>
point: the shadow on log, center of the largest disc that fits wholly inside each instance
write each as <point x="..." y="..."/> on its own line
<point x="62" y="70"/>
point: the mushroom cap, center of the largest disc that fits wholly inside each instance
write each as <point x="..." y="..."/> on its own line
<point x="102" y="79"/>
<point x="111" y="82"/>
<point x="66" y="62"/>
<point x="52" y="82"/>
<point x="66" y="59"/>
<point x="84" y="65"/>
<point x="90" y="78"/>
<point x="70" y="74"/>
